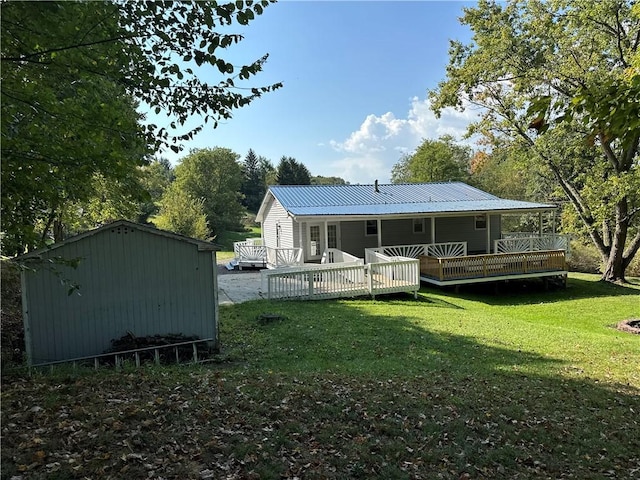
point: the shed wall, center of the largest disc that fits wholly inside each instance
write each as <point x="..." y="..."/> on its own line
<point x="130" y="281"/>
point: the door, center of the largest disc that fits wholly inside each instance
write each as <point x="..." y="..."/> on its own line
<point x="314" y="241"/>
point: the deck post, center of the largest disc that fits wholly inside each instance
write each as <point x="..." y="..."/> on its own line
<point x="326" y="237"/>
<point x="379" y="222"/>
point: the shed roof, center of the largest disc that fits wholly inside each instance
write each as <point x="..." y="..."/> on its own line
<point x="201" y="244"/>
<point x="391" y="199"/>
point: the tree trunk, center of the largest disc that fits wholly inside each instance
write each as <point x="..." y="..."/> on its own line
<point x="615" y="266"/>
<point x="614" y="270"/>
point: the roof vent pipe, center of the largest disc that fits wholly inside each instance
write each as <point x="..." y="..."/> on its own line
<point x="375" y="187"/>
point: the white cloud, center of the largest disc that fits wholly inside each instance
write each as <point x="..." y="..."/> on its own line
<point x="371" y="151"/>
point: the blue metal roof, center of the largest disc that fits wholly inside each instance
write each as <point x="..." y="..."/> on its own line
<point x="390" y="199"/>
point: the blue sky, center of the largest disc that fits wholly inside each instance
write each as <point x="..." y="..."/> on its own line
<point x="355" y="75"/>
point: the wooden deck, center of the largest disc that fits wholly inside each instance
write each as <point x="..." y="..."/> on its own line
<point x="492" y="267"/>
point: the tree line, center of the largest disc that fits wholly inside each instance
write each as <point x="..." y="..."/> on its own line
<point x="211" y="191"/>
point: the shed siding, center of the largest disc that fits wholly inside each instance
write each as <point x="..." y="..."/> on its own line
<point x="276" y="215"/>
<point x="130" y="281"/>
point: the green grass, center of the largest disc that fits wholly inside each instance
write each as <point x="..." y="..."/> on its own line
<point x="226" y="239"/>
<point x="516" y="384"/>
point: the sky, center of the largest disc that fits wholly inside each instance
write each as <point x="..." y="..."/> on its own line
<point x="355" y="76"/>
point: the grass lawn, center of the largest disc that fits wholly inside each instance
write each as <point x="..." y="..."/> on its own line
<point x="226" y="239"/>
<point x="520" y="384"/>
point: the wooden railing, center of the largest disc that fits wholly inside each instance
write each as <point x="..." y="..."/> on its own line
<point x="349" y="278"/>
<point x="493" y="265"/>
<point x="283" y="257"/>
<point x="391" y="274"/>
<point x="313" y="282"/>
<point x="448" y="249"/>
<point x="531" y="243"/>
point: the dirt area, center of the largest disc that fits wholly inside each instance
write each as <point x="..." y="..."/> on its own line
<point x="630" y="326"/>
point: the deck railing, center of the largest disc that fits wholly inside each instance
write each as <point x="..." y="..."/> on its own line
<point x="493" y="265"/>
<point x="392" y="274"/>
<point x="333" y="255"/>
<point x="447" y="249"/>
<point x="313" y="282"/>
<point x="348" y="278"/>
<point x="249" y="252"/>
<point x="283" y="257"/>
<point x="531" y="243"/>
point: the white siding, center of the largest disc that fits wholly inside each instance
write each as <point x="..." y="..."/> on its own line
<point x="274" y="217"/>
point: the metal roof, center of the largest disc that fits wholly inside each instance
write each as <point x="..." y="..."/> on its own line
<point x="392" y="199"/>
<point x="201" y="244"/>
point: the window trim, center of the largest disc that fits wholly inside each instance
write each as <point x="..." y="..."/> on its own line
<point x="482" y="219"/>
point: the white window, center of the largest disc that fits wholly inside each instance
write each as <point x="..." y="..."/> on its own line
<point x="332" y="236"/>
<point x="418" y="225"/>
<point x="481" y="222"/>
<point x="314" y="240"/>
<point x="371" y="228"/>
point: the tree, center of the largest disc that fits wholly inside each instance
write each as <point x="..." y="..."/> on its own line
<point x="155" y="178"/>
<point x="253" y="181"/>
<point x="439" y="160"/>
<point x="559" y="76"/>
<point x="62" y="125"/>
<point x="292" y="172"/>
<point x="269" y="171"/>
<point x="214" y="176"/>
<point x="181" y="213"/>
<point x="70" y="72"/>
<point x="320" y="180"/>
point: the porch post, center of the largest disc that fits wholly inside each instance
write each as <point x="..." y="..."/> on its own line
<point x="300" y="240"/>
<point x="540" y="223"/>
<point x="433" y="229"/>
<point x="326" y="236"/>
<point x="488" y="233"/>
<point x="379" y="232"/>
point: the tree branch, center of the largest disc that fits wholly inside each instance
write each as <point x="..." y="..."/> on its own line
<point x="27" y="57"/>
<point x="608" y="152"/>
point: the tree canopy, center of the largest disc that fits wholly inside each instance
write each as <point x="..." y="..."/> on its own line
<point x="254" y="180"/>
<point x="321" y="180"/>
<point x="561" y="77"/>
<point x="292" y="172"/>
<point x="439" y="160"/>
<point x="213" y="176"/>
<point x="73" y="77"/>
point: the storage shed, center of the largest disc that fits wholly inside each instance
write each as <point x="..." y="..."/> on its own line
<point x="124" y="277"/>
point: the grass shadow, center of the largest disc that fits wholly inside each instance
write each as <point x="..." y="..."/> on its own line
<point x="486" y="405"/>
<point x="521" y="292"/>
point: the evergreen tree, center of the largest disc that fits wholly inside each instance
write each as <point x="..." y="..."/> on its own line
<point x="292" y="172"/>
<point x="253" y="182"/>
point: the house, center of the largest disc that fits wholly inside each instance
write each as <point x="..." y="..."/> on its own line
<point x="353" y="218"/>
<point x="435" y="220"/>
<point x="120" y="278"/>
